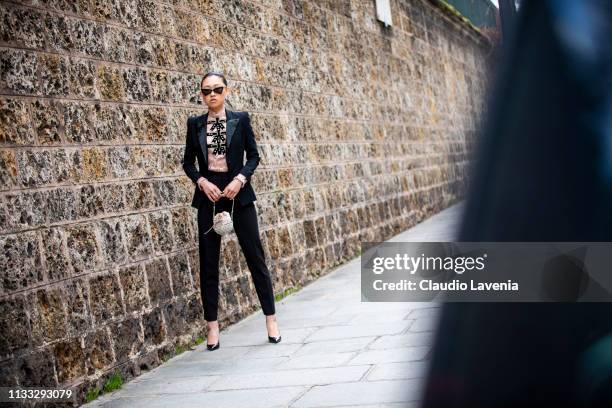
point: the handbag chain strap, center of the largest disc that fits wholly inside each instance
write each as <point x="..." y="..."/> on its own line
<point x="232" y="216"/>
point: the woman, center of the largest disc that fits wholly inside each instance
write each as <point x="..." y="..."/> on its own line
<point x="219" y="139"/>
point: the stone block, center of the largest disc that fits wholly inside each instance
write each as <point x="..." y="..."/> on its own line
<point x="159" y="86"/>
<point x="297" y="204"/>
<point x="272" y="243"/>
<point x="310" y="233"/>
<point x="120" y="161"/>
<point x="13" y="326"/>
<point x="107" y="122"/>
<point x="67" y="6"/>
<point x="70" y="360"/>
<point x="298" y="237"/>
<point x="147" y="17"/>
<point x="182" y="55"/>
<point x="47" y="315"/>
<point x="118" y="39"/>
<point x="59" y="165"/>
<point x="229" y="259"/>
<point x="88" y="37"/>
<point x="137" y="240"/>
<point x="127" y="339"/>
<point x="132" y="280"/>
<point x="20" y="27"/>
<point x="82" y="247"/>
<point x="47" y="120"/>
<point x="181" y="225"/>
<point x="55" y="253"/>
<point x="105" y="297"/>
<point x="78" y="122"/>
<point x="98" y="350"/>
<point x="175" y="314"/>
<point x="151" y="125"/>
<point x="7" y="373"/>
<point x="266" y="213"/>
<point x="76" y="299"/>
<point x="113" y="197"/>
<point x="68" y="165"/>
<point x="36" y="369"/>
<point x="164" y="193"/>
<point x="57" y="33"/>
<point x="139" y="195"/>
<point x="159" y="281"/>
<point x="285" y="242"/>
<point x="143" y="46"/>
<point x="18" y="71"/>
<point x="110" y="83"/>
<point x="177" y="125"/>
<point x="179" y="270"/>
<point x="25" y="209"/>
<point x="330" y="255"/>
<point x="35" y="167"/>
<point x="161" y="231"/>
<point x="137" y="86"/>
<point x="8" y="169"/>
<point x="229" y="295"/>
<point x="111" y="241"/>
<point x="183" y="190"/>
<point x="246" y="291"/>
<point x="194" y="265"/>
<point x="181" y="86"/>
<point x="95" y="165"/>
<point x="53" y="74"/>
<point x="126" y="121"/>
<point x="194" y="312"/>
<point x="186" y="25"/>
<point x="154" y="327"/>
<point x="90" y="201"/>
<point x="21" y="261"/>
<point x="60" y="205"/>
<point x="163" y="49"/>
<point x="144" y="161"/>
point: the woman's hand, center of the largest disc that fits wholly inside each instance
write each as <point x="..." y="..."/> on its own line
<point x="210" y="189"/>
<point x="232" y="189"/>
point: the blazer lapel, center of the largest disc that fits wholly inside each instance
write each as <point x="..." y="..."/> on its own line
<point x="202" y="137"/>
<point x="231" y="124"/>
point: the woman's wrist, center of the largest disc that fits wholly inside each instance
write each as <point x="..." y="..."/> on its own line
<point x="242" y="179"/>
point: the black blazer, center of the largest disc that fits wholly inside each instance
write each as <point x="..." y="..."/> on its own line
<point x="240" y="139"/>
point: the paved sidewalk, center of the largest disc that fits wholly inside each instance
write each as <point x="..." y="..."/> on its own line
<point x="335" y="351"/>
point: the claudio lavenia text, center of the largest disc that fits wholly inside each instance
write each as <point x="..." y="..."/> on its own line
<point x="453" y="285"/>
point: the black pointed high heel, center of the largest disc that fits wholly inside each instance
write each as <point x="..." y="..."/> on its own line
<point x="212" y="347"/>
<point x="274" y="339"/>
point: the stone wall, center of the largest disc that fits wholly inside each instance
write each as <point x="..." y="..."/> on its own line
<point x="363" y="130"/>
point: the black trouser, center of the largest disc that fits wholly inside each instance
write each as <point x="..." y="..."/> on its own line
<point x="247" y="230"/>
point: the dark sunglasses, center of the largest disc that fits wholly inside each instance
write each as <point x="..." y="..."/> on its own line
<point x="218" y="90"/>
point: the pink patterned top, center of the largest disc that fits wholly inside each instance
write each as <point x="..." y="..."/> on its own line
<point x="216" y="140"/>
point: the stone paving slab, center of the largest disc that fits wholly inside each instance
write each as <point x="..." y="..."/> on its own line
<point x="336" y="350"/>
<point x="254" y="398"/>
<point x="361" y="392"/>
<point x="300" y="376"/>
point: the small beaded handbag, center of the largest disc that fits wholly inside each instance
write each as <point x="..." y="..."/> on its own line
<point x="223" y="223"/>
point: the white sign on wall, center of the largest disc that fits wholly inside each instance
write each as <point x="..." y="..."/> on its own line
<point x="383" y="12"/>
